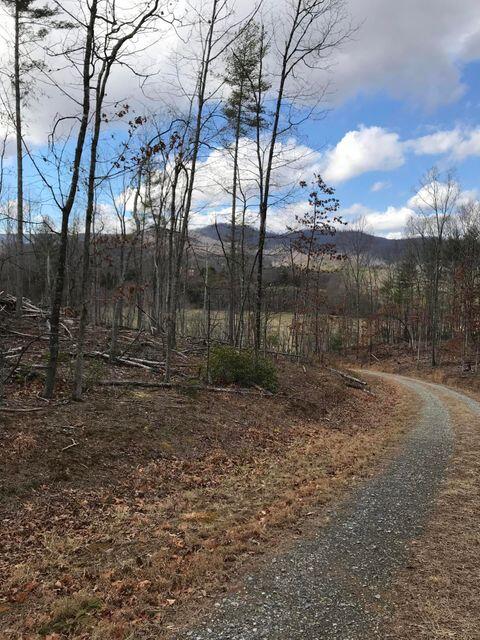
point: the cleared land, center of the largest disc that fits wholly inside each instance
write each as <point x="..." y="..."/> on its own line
<point x="126" y="513"/>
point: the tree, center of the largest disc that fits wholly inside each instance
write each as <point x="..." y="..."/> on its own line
<point x="30" y="24"/>
<point x="357" y="262"/>
<point x="243" y="113"/>
<point x="309" y="234"/>
<point x="106" y="52"/>
<point x="312" y="31"/>
<point x="66" y="203"/>
<point x="434" y="205"/>
<point x="214" y="42"/>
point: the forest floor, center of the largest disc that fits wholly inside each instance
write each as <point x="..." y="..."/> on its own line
<point x="450" y="371"/>
<point x="126" y="514"/>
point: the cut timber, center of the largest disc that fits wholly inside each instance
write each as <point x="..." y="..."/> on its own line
<point x="356" y="383"/>
<point x="19" y="410"/>
<point x="179" y="385"/>
<point x="29" y="310"/>
<point x="149" y="365"/>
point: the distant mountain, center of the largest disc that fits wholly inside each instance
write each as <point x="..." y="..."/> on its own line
<point x="385" y="249"/>
<point x="382" y="249"/>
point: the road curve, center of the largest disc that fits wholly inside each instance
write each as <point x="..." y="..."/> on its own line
<point x="334" y="585"/>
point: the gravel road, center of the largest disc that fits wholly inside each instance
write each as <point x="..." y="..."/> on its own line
<point x="334" y="584"/>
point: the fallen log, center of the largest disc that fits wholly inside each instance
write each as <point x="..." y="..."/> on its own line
<point x="186" y="387"/>
<point x="149" y="365"/>
<point x="351" y="381"/>
<point x="20" y="410"/>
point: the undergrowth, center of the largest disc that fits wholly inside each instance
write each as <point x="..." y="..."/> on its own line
<point x="230" y="366"/>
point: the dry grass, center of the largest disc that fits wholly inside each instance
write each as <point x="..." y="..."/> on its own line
<point x="398" y="359"/>
<point x="438" y="595"/>
<point x="191" y="490"/>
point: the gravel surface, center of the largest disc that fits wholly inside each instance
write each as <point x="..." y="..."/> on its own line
<point x="334" y="584"/>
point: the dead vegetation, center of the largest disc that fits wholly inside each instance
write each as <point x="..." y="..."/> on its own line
<point x="452" y="370"/>
<point x="437" y="595"/>
<point x="124" y="512"/>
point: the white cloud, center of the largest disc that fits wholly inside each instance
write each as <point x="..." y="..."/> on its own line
<point x="293" y="162"/>
<point x="468" y="146"/>
<point x="212" y="196"/>
<point x="367" y="149"/>
<point x="459" y="143"/>
<point x="107" y="219"/>
<point x="392" y="222"/>
<point x="377" y="149"/>
<point x="449" y="196"/>
<point x="389" y="223"/>
<point x="380" y="186"/>
<point x="435" y="143"/>
<point x="410" y="49"/>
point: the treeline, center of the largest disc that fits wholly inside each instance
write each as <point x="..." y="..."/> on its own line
<point x="430" y="297"/>
<point x="317" y="300"/>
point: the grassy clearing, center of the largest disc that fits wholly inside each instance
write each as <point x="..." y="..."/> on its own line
<point x="168" y="496"/>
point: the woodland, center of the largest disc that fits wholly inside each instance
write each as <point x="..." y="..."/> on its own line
<point x="321" y="286"/>
<point x="185" y="307"/>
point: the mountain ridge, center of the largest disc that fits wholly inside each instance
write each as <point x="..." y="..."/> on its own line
<point x="388" y="249"/>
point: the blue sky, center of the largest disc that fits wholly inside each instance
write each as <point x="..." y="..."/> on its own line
<point x="404" y="96"/>
<point x="409" y="120"/>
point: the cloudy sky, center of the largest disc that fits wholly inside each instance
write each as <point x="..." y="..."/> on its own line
<point x="403" y="95"/>
<point x="407" y="97"/>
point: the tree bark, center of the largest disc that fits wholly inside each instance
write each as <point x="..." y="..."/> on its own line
<point x="20" y="262"/>
<point x="67" y="209"/>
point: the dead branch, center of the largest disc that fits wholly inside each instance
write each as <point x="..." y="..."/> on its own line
<point x="20" y="410"/>
<point x="69" y="446"/>
<point x="186" y="387"/>
<point x="356" y="383"/>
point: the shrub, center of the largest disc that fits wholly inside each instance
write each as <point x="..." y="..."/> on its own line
<point x="336" y="343"/>
<point x="229" y="366"/>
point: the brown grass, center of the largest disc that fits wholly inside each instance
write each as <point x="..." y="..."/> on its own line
<point x="438" y="595"/>
<point x="450" y="371"/>
<point x="167" y="496"/>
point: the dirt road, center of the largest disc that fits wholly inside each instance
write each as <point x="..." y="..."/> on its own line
<point x="335" y="584"/>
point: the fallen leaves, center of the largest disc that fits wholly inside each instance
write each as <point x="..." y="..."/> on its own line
<point x="178" y="509"/>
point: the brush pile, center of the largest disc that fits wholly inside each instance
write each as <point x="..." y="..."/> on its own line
<point x="8" y="305"/>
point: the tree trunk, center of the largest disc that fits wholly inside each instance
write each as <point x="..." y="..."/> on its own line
<point x="233" y="258"/>
<point x="20" y="262"/>
<point x="66" y="210"/>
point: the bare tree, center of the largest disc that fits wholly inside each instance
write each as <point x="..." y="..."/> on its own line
<point x="31" y="24"/>
<point x="106" y="54"/>
<point x="215" y="40"/>
<point x="434" y="204"/>
<point x="358" y="258"/>
<point x="66" y="203"/>
<point x="312" y="31"/>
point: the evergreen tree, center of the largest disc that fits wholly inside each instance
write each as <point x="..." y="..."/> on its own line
<point x="243" y="111"/>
